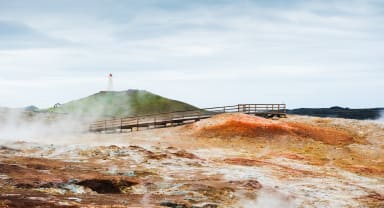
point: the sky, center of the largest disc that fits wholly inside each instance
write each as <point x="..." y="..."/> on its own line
<point x="203" y="52"/>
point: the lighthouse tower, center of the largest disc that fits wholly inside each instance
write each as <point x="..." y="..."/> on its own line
<point x="110" y="82"/>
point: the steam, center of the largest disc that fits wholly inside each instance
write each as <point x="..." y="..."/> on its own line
<point x="70" y="119"/>
<point x="18" y="125"/>
<point x="266" y="198"/>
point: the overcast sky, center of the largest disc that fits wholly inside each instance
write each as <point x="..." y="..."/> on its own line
<point x="206" y="53"/>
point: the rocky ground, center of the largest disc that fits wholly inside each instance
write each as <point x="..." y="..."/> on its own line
<point x="231" y="160"/>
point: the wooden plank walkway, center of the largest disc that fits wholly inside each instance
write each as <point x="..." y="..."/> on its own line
<point x="163" y="120"/>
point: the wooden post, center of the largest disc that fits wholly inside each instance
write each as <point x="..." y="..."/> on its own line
<point x="121" y="125"/>
<point x="137" y="124"/>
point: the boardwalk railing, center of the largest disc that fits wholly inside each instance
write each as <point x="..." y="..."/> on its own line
<point x="162" y="120"/>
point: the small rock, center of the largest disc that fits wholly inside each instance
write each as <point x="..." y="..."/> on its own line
<point x="205" y="205"/>
<point x="173" y="204"/>
<point x="130" y="173"/>
<point x="74" y="199"/>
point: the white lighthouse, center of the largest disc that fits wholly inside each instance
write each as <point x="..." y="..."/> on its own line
<point x="110" y="82"/>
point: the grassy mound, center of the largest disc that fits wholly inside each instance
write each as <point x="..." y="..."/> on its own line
<point x="121" y="104"/>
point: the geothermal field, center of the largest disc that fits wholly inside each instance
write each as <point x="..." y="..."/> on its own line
<point x="229" y="160"/>
<point x="191" y="104"/>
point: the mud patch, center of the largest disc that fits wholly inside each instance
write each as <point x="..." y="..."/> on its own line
<point x="8" y="149"/>
<point x="175" y="204"/>
<point x="185" y="154"/>
<point x="247" y="184"/>
<point x="20" y="201"/>
<point x="373" y="199"/>
<point x="104" y="186"/>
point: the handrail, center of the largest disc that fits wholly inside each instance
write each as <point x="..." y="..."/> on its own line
<point x="195" y="110"/>
<point x="196" y="114"/>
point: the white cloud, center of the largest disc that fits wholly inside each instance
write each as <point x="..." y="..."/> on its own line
<point x="291" y="49"/>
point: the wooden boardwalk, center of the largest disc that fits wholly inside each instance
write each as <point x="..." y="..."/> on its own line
<point x="176" y="118"/>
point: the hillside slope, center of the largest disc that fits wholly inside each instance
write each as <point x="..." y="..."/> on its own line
<point x="121" y="103"/>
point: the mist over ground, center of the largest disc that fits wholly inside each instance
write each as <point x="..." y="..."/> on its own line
<point x="19" y="125"/>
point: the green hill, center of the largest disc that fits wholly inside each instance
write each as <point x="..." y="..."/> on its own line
<point x="121" y="104"/>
